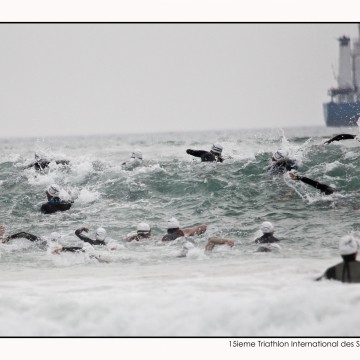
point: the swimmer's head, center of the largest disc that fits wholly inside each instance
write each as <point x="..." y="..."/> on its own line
<point x="217" y="148"/>
<point x="267" y="227"/>
<point x="279" y="155"/>
<point x="143" y="228"/>
<point x="347" y="245"/>
<point x="173" y="224"/>
<point x="55" y="236"/>
<point x="136" y="154"/>
<point x="100" y="234"/>
<point x="53" y="190"/>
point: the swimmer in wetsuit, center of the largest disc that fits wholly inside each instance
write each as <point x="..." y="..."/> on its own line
<point x="41" y="162"/>
<point x="136" y="155"/>
<point x="281" y="163"/>
<point x="347" y="271"/>
<point x="174" y="232"/>
<point x="268" y="237"/>
<point x="100" y="236"/>
<point x="54" y="203"/>
<point x="214" y="155"/>
<point x="143" y="232"/>
<point x="342" y="137"/>
<point x="326" y="189"/>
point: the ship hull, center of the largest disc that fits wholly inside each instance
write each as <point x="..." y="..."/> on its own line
<point x="341" y="114"/>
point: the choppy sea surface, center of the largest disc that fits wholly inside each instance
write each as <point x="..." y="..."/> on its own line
<point x="143" y="288"/>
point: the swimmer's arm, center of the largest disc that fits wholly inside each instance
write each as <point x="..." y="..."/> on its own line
<point x="197" y="153"/>
<point x="131" y="237"/>
<point x="311" y="182"/>
<point x="217" y="241"/>
<point x="197" y="230"/>
<point x="83" y="237"/>
<point x="24" y="235"/>
<point x="68" y="248"/>
<point x="340" y="137"/>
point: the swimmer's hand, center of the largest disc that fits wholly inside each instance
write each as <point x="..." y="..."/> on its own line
<point x="2" y="230"/>
<point x="5" y="239"/>
<point x="293" y="176"/>
<point x="230" y="243"/>
<point x="86" y="229"/>
<point x="57" y="251"/>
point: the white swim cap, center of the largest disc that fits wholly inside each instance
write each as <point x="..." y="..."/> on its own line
<point x="173" y="224"/>
<point x="280" y="154"/>
<point x="347" y="245"/>
<point x="55" y="236"/>
<point x="136" y="154"/>
<point x="143" y="227"/>
<point x="100" y="234"/>
<point x="267" y="227"/>
<point x="217" y="148"/>
<point x="53" y="190"/>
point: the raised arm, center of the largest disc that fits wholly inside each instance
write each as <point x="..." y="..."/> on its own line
<point x="196" y="230"/>
<point x="217" y="241"/>
<point x="84" y="238"/>
<point x="341" y="137"/>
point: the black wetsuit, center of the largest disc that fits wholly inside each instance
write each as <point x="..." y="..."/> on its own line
<point x="266" y="239"/>
<point x="54" y="205"/>
<point x="41" y="164"/>
<point x="84" y="238"/>
<point x="173" y="234"/>
<point x="205" y="155"/>
<point x="347" y="271"/>
<point x="282" y="166"/>
<point x="341" y="137"/>
<point x="328" y="190"/>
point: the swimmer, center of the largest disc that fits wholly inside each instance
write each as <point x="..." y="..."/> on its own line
<point x="268" y="238"/>
<point x="281" y="163"/>
<point x="43" y="241"/>
<point x="217" y="241"/>
<point x="41" y="162"/>
<point x="174" y="232"/>
<point x="54" y="203"/>
<point x="100" y="236"/>
<point x="213" y="155"/>
<point x="143" y="232"/>
<point x="267" y="229"/>
<point x="347" y="271"/>
<point x="326" y="189"/>
<point x="342" y="137"/>
<point x="136" y="155"/>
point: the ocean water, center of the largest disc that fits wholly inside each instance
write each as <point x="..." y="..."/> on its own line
<point x="143" y="288"/>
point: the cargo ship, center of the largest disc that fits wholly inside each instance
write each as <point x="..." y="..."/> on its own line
<point x="344" y="107"/>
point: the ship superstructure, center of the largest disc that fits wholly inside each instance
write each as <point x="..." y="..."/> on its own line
<point x="344" y="107"/>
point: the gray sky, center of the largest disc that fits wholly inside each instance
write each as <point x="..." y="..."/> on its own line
<point x="72" y="79"/>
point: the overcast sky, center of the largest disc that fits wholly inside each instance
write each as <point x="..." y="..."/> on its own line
<point x="72" y="79"/>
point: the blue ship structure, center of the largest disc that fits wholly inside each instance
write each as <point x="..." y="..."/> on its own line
<point x="344" y="107"/>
